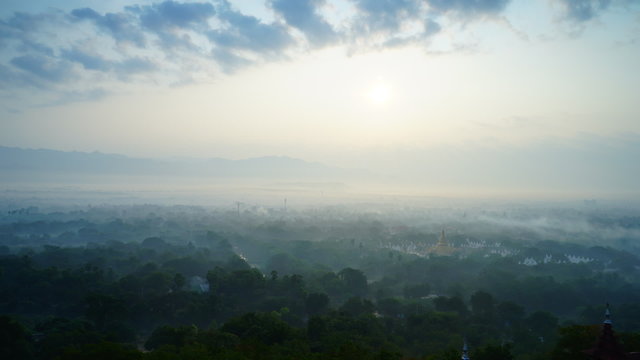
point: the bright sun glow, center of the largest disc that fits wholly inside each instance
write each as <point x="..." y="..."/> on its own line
<point x="379" y="94"/>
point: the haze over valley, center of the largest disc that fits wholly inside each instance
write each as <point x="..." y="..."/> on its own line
<point x="320" y="179"/>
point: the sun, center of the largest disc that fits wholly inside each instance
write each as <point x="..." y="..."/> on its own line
<point x="379" y="94"/>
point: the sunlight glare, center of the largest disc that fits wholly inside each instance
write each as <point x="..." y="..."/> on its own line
<point x="380" y="94"/>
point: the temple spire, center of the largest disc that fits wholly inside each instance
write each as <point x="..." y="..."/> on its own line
<point x="465" y="351"/>
<point x="607" y="346"/>
<point x="442" y="247"/>
<point x="607" y="315"/>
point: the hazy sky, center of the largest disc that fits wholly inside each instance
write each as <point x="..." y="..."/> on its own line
<point x="368" y="83"/>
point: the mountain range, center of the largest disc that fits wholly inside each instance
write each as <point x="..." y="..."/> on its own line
<point x="45" y="161"/>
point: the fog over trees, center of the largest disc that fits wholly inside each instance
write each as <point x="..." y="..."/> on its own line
<point x="369" y="280"/>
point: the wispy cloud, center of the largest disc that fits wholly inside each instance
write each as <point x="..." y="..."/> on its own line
<point x="165" y="39"/>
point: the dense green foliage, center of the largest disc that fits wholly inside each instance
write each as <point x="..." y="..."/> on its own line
<point x="129" y="283"/>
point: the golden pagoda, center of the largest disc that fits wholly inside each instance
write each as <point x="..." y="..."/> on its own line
<point x="442" y="248"/>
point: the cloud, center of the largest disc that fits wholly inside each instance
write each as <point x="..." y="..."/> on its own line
<point x="245" y="32"/>
<point x="21" y="27"/>
<point x="228" y="61"/>
<point x="86" y="13"/>
<point x="583" y="10"/>
<point x="472" y="8"/>
<point x="25" y="22"/>
<point x="135" y="65"/>
<point x="11" y="79"/>
<point x="122" y="68"/>
<point x="88" y="61"/>
<point x="174" y="40"/>
<point x="387" y="15"/>
<point x="405" y="22"/>
<point x="243" y="40"/>
<point x="168" y="18"/>
<point x="170" y="14"/>
<point x="30" y="45"/>
<point x="122" y="26"/>
<point x="303" y="15"/>
<point x="43" y="67"/>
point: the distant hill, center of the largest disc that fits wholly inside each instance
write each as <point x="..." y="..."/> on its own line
<point x="96" y="163"/>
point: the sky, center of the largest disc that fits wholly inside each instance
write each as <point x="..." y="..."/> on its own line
<point x="478" y="92"/>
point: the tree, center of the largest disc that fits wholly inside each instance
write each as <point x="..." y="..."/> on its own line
<point x="510" y="313"/>
<point x="390" y="307"/>
<point x="101" y="351"/>
<point x="451" y="304"/>
<point x="267" y="328"/>
<point x="179" y="281"/>
<point x="482" y="304"/>
<point x="167" y="335"/>
<point x="357" y="306"/>
<point x="316" y="303"/>
<point x="493" y="352"/>
<point x="417" y="291"/>
<point x="573" y="340"/>
<point x="316" y="328"/>
<point x="102" y="309"/>
<point x="354" y="281"/>
<point x="542" y="323"/>
<point x="13" y="340"/>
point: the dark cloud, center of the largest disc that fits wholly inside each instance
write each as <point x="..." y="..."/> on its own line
<point x="122" y="26"/>
<point x="45" y="68"/>
<point x="303" y="15"/>
<point x="584" y="10"/>
<point x="469" y="7"/>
